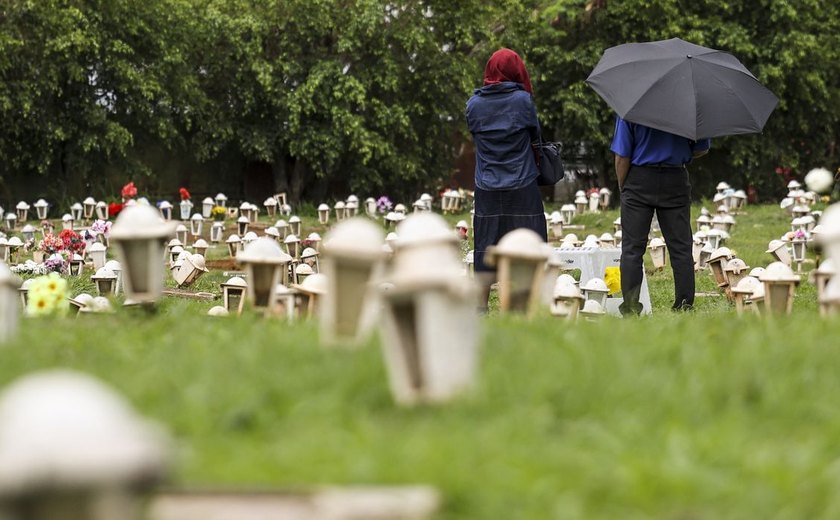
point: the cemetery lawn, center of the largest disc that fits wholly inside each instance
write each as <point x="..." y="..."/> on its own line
<point x="675" y="416"/>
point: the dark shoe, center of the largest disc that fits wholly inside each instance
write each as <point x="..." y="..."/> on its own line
<point x="630" y="308"/>
<point x="683" y="306"/>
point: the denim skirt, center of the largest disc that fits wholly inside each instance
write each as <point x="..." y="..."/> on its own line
<point x="499" y="212"/>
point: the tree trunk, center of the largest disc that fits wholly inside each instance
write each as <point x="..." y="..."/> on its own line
<point x="289" y="176"/>
<point x="280" y="172"/>
<point x="299" y="173"/>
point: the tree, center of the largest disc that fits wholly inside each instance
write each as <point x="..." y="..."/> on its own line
<point x="80" y="81"/>
<point x="791" y="47"/>
<point x="362" y="94"/>
<point x="333" y="96"/>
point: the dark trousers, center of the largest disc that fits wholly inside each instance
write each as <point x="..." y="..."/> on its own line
<point x="668" y="192"/>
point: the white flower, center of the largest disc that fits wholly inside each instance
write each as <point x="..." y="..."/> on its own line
<point x="819" y="180"/>
<point x="28" y="267"/>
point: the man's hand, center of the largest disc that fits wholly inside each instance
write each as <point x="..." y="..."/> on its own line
<point x="622" y="166"/>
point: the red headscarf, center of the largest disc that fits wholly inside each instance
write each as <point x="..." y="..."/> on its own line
<point x="506" y="65"/>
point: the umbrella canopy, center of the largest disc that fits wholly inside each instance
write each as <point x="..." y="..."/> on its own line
<point x="682" y="88"/>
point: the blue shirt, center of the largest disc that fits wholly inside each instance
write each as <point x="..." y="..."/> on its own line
<point x="503" y="122"/>
<point x="644" y="145"/>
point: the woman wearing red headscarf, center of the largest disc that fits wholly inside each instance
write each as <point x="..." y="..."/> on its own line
<point x="503" y="121"/>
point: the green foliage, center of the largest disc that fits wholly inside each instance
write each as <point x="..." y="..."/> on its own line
<point x="80" y="81"/>
<point x="368" y="95"/>
<point x="790" y="46"/>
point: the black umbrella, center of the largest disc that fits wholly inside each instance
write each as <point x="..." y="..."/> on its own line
<point x="682" y="88"/>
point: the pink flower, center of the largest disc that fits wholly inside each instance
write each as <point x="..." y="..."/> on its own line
<point x="129" y="191"/>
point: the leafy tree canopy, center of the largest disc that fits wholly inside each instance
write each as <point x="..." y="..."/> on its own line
<point x="789" y="45"/>
<point x="368" y="95"/>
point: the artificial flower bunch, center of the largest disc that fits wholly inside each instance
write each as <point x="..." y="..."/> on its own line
<point x="66" y="243"/>
<point x="51" y="244"/>
<point x="612" y="277"/>
<point x="218" y="213"/>
<point x="73" y="242"/>
<point x="101" y="227"/>
<point x="185" y="195"/>
<point x="114" y="209"/>
<point x="28" y="267"/>
<point x="57" y="263"/>
<point x="384" y="204"/>
<point x="47" y="296"/>
<point x="795" y="235"/>
<point x="129" y="191"/>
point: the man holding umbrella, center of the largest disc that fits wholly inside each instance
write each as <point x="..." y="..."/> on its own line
<point x="671" y="96"/>
<point x="651" y="168"/>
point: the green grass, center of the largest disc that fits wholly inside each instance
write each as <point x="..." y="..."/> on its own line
<point x="672" y="416"/>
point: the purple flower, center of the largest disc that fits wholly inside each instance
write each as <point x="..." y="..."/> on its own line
<point x="383" y="204"/>
<point x="102" y="227"/>
<point x="55" y="264"/>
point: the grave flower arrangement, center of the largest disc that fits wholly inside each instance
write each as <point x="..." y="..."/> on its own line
<point x="101" y="227"/>
<point x="384" y="204"/>
<point x="56" y="263"/>
<point x="612" y="277"/>
<point x="794" y="235"/>
<point x="28" y="267"/>
<point x="73" y="242"/>
<point x="114" y="209"/>
<point x="47" y="296"/>
<point x="88" y="236"/>
<point x="129" y="191"/>
<point x="185" y="195"/>
<point x="218" y="213"/>
<point x="51" y="244"/>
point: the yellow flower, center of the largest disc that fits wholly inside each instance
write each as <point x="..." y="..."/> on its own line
<point x="612" y="277"/>
<point x="47" y="295"/>
<point x="56" y="284"/>
<point x="39" y="305"/>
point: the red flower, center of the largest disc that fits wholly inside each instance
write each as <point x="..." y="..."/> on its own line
<point x="129" y="191"/>
<point x="185" y="195"/>
<point x="72" y="240"/>
<point x="114" y="209"/>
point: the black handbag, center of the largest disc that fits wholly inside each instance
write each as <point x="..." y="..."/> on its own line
<point x="549" y="162"/>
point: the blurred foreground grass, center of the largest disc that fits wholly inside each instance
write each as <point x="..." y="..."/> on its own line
<point x="674" y="416"/>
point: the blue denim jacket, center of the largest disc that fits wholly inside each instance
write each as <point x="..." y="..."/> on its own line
<point x="503" y="122"/>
